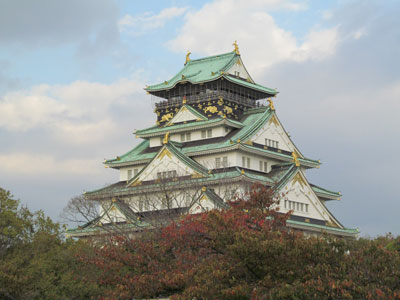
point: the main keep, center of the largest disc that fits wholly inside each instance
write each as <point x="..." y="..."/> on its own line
<point x="216" y="134"/>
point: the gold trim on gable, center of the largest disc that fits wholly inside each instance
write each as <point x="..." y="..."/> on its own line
<point x="273" y="120"/>
<point x="164" y="153"/>
<point x="298" y="178"/>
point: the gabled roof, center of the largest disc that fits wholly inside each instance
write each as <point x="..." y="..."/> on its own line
<point x="325" y="193"/>
<point x="291" y="173"/>
<point x="254" y="122"/>
<point x="137" y="153"/>
<point x="161" y="130"/>
<point x="132" y="220"/>
<point x="171" y="148"/>
<point x="185" y="159"/>
<point x="212" y="196"/>
<point x="197" y="116"/>
<point x="209" y="69"/>
<point x="248" y="125"/>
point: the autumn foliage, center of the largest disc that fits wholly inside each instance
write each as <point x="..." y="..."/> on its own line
<point x="245" y="252"/>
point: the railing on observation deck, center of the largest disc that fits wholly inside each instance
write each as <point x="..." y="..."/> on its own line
<point x="209" y="95"/>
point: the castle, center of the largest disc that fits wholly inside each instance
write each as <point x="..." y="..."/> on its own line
<point x="217" y="132"/>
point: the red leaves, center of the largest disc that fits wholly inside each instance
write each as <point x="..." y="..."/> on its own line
<point x="244" y="253"/>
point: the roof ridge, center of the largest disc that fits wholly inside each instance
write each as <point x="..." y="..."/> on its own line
<point x="291" y="171"/>
<point x="212" y="57"/>
<point x="186" y="159"/>
<point x="256" y="125"/>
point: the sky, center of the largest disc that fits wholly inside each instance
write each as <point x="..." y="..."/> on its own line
<point x="72" y="75"/>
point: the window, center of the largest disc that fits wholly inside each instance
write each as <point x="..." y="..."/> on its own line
<point x="218" y="162"/>
<point x="237" y="73"/>
<point x="271" y="143"/>
<point x="135" y="172"/>
<point x="225" y="161"/>
<point x="129" y="174"/>
<point x="261" y="165"/>
<point x="209" y="133"/>
<point x="248" y="162"/>
<point x="265" y="167"/>
<point x="188" y="136"/>
<point x="161" y="140"/>
<point x="296" y="206"/>
<point x="146" y="204"/>
<point x="226" y="129"/>
<point x="182" y="137"/>
<point x="203" y="134"/>
<point x="243" y="161"/>
<point x="166" y="174"/>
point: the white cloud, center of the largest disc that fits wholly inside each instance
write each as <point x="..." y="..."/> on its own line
<point x="29" y="164"/>
<point x="214" y="27"/>
<point x="138" y="25"/>
<point x="318" y="45"/>
<point x="80" y="112"/>
<point x="359" y="34"/>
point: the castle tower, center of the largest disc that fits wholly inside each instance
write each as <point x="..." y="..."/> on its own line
<point x="217" y="133"/>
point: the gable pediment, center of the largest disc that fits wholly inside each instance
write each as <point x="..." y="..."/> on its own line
<point x="186" y="114"/>
<point x="239" y="70"/>
<point x="300" y="197"/>
<point x="112" y="214"/>
<point x="272" y="134"/>
<point x="169" y="163"/>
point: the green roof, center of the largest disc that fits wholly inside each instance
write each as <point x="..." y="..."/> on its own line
<point x="136" y="154"/>
<point x="217" y="200"/>
<point x="252" y="124"/>
<point x="325" y="192"/>
<point x="350" y="231"/>
<point x="209" y="69"/>
<point x="160" y="130"/>
<point x="251" y="85"/>
<point x="253" y="120"/>
<point x="132" y="220"/>
<point x="185" y="159"/>
<point x="182" y="157"/>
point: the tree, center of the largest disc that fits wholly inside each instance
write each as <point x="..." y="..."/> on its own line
<point x="245" y="252"/>
<point x="36" y="262"/>
<point x="15" y="222"/>
<point x="156" y="206"/>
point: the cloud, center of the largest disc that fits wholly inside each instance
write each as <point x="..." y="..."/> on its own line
<point x="80" y="112"/>
<point x="344" y="110"/>
<point x="138" y="25"/>
<point x="47" y="22"/>
<point x="214" y="27"/>
<point x="66" y="125"/>
<point x="27" y="164"/>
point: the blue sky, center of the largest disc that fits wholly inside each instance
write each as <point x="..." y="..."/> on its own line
<point x="72" y="75"/>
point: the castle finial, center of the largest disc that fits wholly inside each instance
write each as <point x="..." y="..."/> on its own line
<point x="295" y="160"/>
<point x="166" y="138"/>
<point x="235" y="44"/>
<point x="187" y="57"/>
